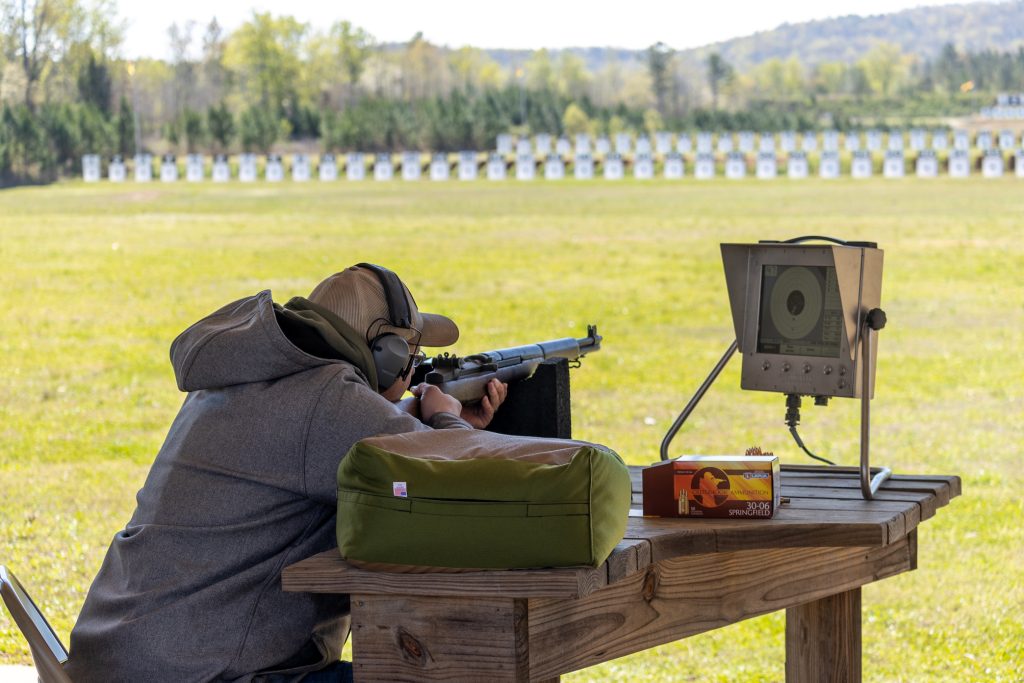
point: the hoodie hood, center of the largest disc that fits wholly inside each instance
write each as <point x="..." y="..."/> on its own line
<point x="243" y="342"/>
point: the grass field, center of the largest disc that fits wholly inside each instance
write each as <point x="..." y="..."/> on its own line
<point x="97" y="281"/>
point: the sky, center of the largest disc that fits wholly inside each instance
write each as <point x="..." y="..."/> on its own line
<point x="522" y="24"/>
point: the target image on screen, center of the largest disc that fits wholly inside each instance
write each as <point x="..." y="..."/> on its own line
<point x="801" y="312"/>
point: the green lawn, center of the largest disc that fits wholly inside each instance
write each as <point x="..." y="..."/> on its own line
<point x="97" y="281"/>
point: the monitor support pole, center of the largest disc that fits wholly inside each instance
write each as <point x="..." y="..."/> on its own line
<point x="873" y="321"/>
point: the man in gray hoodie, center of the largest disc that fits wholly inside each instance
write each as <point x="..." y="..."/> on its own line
<point x="244" y="484"/>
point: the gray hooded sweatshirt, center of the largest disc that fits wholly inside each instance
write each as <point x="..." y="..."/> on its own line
<point x="243" y="486"/>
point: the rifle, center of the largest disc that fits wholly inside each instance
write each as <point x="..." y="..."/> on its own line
<point x="466" y="378"/>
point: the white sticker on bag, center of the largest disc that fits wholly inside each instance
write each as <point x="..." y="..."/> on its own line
<point x="398" y="488"/>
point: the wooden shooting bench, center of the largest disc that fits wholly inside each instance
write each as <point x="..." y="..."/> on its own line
<point x="668" y="579"/>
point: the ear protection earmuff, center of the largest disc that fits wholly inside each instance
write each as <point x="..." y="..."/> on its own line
<point x="391" y="352"/>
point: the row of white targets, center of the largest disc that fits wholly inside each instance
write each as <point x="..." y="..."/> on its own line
<point x="526" y="166"/>
<point x="705" y="142"/>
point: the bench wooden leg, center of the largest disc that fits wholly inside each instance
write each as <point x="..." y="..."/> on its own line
<point x="823" y="640"/>
<point x="414" y="639"/>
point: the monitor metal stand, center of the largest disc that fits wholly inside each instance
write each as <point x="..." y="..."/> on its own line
<point x="870" y="478"/>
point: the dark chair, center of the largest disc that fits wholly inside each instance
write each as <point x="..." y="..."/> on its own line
<point x="47" y="651"/>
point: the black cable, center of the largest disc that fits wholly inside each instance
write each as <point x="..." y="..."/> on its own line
<point x="800" y="443"/>
<point x="793" y="419"/>
<point x="822" y="238"/>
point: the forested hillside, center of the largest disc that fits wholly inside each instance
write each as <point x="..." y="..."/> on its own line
<point x="923" y="31"/>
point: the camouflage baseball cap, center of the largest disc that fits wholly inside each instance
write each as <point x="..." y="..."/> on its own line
<point x="357" y="296"/>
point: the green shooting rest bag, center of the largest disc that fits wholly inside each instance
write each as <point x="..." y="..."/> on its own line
<point x="471" y="499"/>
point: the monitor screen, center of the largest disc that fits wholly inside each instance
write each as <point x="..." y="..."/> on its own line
<point x="801" y="312"/>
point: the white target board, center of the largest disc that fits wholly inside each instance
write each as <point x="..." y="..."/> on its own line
<point x="809" y="143"/>
<point x="992" y="164"/>
<point x="583" y="167"/>
<point x="503" y="145"/>
<point x="563" y="147"/>
<point x="554" y="168"/>
<point x="221" y="171"/>
<point x="355" y="167"/>
<point x="247" y="168"/>
<point x="439" y="169"/>
<point x="411" y="164"/>
<point x="300" y="168"/>
<point x="830" y="141"/>
<point x="143" y="168"/>
<point x="274" y="171"/>
<point x="468" y="165"/>
<point x="1018" y="163"/>
<point x="602" y="146"/>
<point x="674" y="166"/>
<point x="704" y="142"/>
<point x="767" y="143"/>
<point x="984" y="141"/>
<point x="623" y="143"/>
<point x="643" y="145"/>
<point x="852" y="142"/>
<point x="959" y="164"/>
<point x="383" y="168"/>
<point x="860" y="166"/>
<point x="961" y="140"/>
<point x="168" y="168"/>
<point x="662" y="142"/>
<point x="643" y="167"/>
<point x="796" y="166"/>
<point x="940" y="140"/>
<point x="927" y="165"/>
<point x="582" y="143"/>
<point x="724" y="143"/>
<point x="704" y="167"/>
<point x="91" y="168"/>
<point x="684" y="143"/>
<point x="194" y="168"/>
<point x="828" y="166"/>
<point x="116" y="172"/>
<point x="526" y="167"/>
<point x="874" y="140"/>
<point x="496" y="167"/>
<point x="917" y="139"/>
<point x="895" y="141"/>
<point x="767" y="166"/>
<point x="787" y="141"/>
<point x="523" y="146"/>
<point x="1006" y="141"/>
<point x="328" y="170"/>
<point x="745" y="141"/>
<point x="894" y="165"/>
<point x="735" y="166"/>
<point x="613" y="167"/>
<point x="542" y="144"/>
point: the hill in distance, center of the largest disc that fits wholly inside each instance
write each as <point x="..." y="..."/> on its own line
<point x="921" y="31"/>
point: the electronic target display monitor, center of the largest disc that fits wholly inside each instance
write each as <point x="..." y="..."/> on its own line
<point x="798" y="312"/>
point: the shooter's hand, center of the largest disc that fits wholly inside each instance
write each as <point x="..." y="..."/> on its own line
<point x="480" y="414"/>
<point x="432" y="401"/>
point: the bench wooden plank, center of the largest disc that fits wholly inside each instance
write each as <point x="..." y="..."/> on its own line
<point x="329" y="573"/>
<point x="680" y="597"/>
<point x="924" y="500"/>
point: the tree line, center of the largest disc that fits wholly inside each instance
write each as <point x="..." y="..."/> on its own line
<point x="66" y="90"/>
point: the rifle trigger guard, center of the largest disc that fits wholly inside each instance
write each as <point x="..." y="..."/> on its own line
<point x="573" y="364"/>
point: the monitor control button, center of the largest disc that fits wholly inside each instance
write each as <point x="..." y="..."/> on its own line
<point x="785" y="367"/>
<point x="766" y="366"/>
<point x="807" y="368"/>
<point x="827" y="369"/>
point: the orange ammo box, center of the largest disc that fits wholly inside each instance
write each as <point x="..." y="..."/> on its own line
<point x="713" y="486"/>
